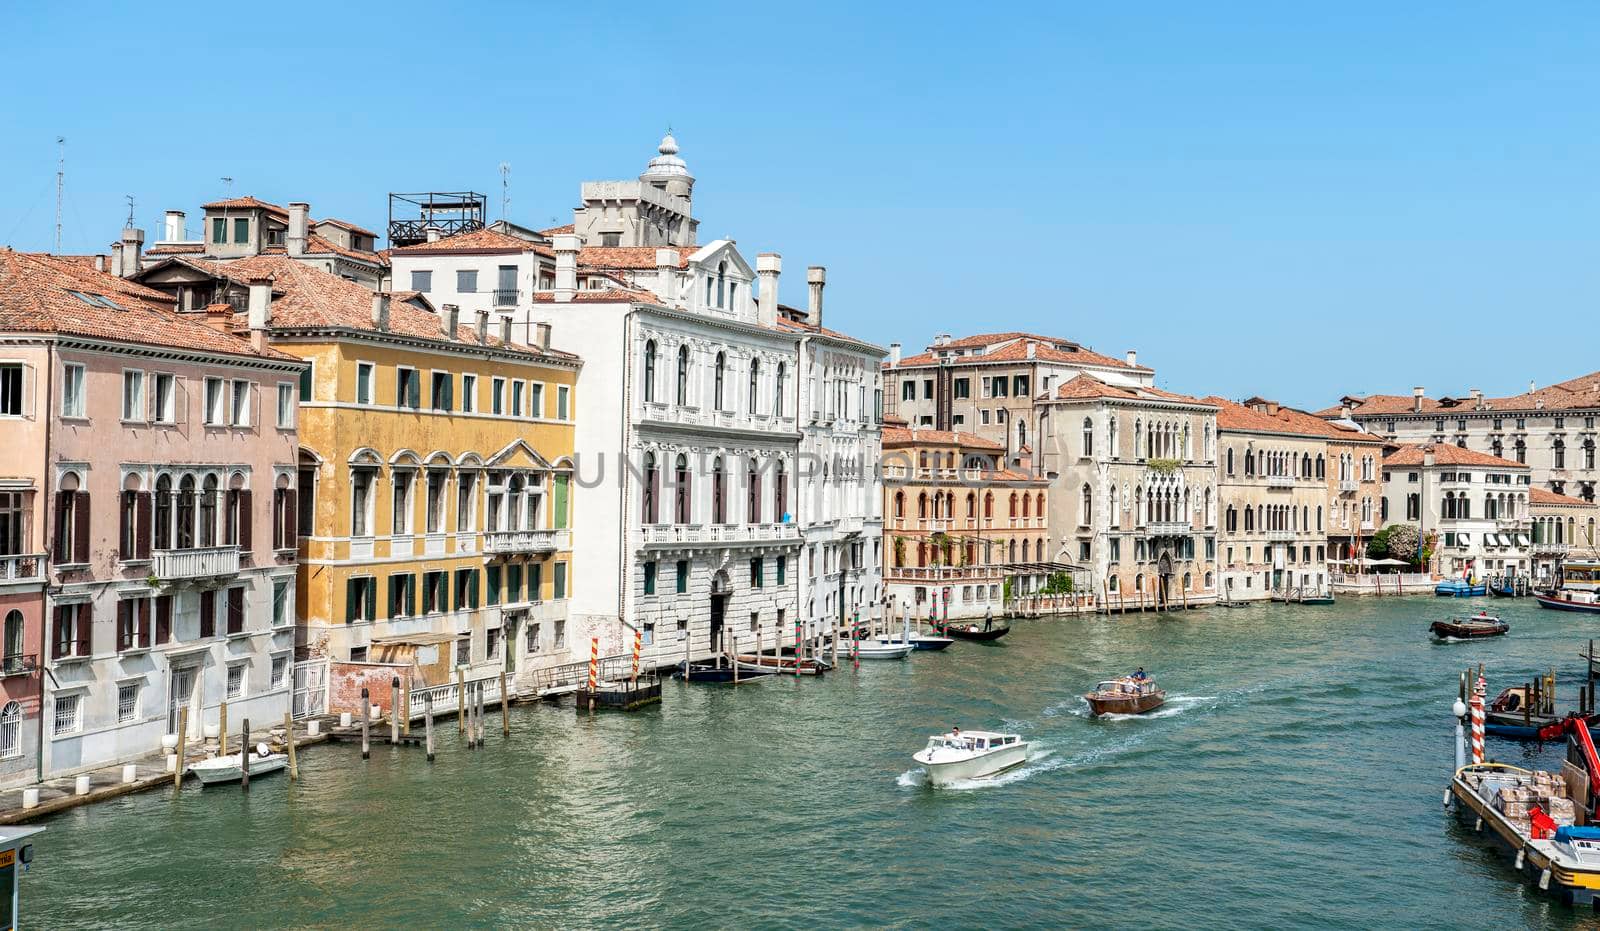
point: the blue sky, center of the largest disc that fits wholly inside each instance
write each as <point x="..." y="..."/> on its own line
<point x="1261" y="198"/>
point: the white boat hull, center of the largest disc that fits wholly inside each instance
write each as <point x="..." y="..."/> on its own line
<point x="226" y="769"/>
<point x="973" y="767"/>
<point x="874" y="650"/>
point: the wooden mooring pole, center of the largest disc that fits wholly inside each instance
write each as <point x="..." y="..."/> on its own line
<point x="366" y="721"/>
<point x="394" y="711"/>
<point x="244" y="757"/>
<point x="461" y="699"/>
<point x="288" y="739"/>
<point x="222" y="729"/>
<point x="183" y="727"/>
<point x="505" y="705"/>
<point x="427" y="724"/>
<point x="405" y="702"/>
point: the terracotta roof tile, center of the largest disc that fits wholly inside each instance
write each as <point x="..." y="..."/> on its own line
<point x="485" y="240"/>
<point x="1537" y="495"/>
<point x="630" y="257"/>
<point x="346" y="224"/>
<point x="908" y="436"/>
<point x="1448" y="454"/>
<point x="601" y="296"/>
<point x="558" y="230"/>
<point x="176" y="248"/>
<point x="1088" y="387"/>
<point x="36" y="297"/>
<point x="1232" y="415"/>
<point x="318" y="245"/>
<point x="1015" y="349"/>
<point x="245" y="202"/>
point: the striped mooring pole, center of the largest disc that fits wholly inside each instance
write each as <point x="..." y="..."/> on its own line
<point x="799" y="644"/>
<point x="855" y="640"/>
<point x="1478" y="693"/>
<point x="946" y="616"/>
<point x="594" y="664"/>
<point x="638" y="643"/>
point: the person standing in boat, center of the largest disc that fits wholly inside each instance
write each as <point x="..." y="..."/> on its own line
<point x="1140" y="674"/>
<point x="988" y="619"/>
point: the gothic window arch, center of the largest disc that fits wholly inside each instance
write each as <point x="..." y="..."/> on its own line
<point x="683" y="374"/>
<point x="650" y="370"/>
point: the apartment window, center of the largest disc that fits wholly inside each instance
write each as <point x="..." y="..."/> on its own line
<point x="559" y="583"/>
<point x="908" y="390"/>
<point x="497" y="396"/>
<point x="127" y="702"/>
<point x="683" y="576"/>
<point x="467" y="280"/>
<point x="422" y="281"/>
<point x="67" y="717"/>
<point x="402" y="595"/>
<point x="434" y="596"/>
<point x="435" y="500"/>
<point x="132" y="395"/>
<point x="514" y="583"/>
<point x="163" y="398"/>
<point x="72" y="399"/>
<point x="563" y="399"/>
<point x="241" y="230"/>
<point x="361" y="481"/>
<point x="466" y="589"/>
<point x="236" y="680"/>
<point x="1019" y="386"/>
<point x="958" y="420"/>
<point x="516" y="398"/>
<point x="401" y="513"/>
<point x="783" y="569"/>
<point x="464" y="650"/>
<point x="280" y="672"/>
<point x="282" y="603"/>
<point x="443" y="388"/>
<point x="927" y="389"/>
<point x="285" y="407"/>
<point x="466" y="501"/>
<point x="1116" y="549"/>
<point x="408" y="388"/>
<point x="650" y="578"/>
<point x="219" y="230"/>
<point x="756" y="566"/>
<point x="1561" y="423"/>
<point x="535" y="399"/>
<point x="983" y="416"/>
<point x="364" y="382"/>
<point x="241" y="403"/>
<point x="469" y="393"/>
<point x="491" y="643"/>
<point x="961" y="388"/>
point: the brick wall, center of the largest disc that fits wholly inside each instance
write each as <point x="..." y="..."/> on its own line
<point x="346" y="680"/>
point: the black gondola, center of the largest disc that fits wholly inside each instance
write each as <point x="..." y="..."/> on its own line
<point x="974" y="632"/>
<point x="715" y="675"/>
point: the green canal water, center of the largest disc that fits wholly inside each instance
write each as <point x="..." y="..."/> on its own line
<point x="1294" y="780"/>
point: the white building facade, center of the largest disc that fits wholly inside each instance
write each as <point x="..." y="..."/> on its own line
<point x="1473" y="506"/>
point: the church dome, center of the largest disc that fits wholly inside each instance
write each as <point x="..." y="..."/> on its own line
<point x="667" y="164"/>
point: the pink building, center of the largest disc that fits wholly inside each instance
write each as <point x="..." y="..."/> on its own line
<point x="151" y="460"/>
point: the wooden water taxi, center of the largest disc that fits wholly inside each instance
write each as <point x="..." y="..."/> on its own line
<point x="1126" y="695"/>
<point x="1476" y="627"/>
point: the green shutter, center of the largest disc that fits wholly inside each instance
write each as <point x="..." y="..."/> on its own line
<point x="351" y="590"/>
<point x="219" y="230"/>
<point x="472" y="577"/>
<point x="305" y="382"/>
<point x="560" y="581"/>
<point x="414" y="391"/>
<point x="562" y="482"/>
<point x="449" y="391"/>
<point x="492" y="574"/>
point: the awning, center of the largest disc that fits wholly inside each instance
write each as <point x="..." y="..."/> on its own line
<point x="1492" y="539"/>
<point x="420" y="639"/>
<point x="1463" y="539"/>
<point x="1522" y="540"/>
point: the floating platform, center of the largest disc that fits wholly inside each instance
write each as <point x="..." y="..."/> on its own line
<point x="625" y="695"/>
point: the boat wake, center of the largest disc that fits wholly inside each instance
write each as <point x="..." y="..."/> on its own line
<point x="1175" y="705"/>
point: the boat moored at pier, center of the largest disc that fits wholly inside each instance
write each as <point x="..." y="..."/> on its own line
<point x="1579" y="589"/>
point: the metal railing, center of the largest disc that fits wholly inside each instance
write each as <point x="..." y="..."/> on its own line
<point x="448" y="697"/>
<point x="195" y="563"/>
<point x="21" y="567"/>
<point x="19" y="664"/>
<point x="570" y="675"/>
<point x="506" y="297"/>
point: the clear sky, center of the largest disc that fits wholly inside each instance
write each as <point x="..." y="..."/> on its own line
<point x="1283" y="199"/>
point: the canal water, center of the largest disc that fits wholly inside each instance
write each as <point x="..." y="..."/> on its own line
<point x="1294" y="779"/>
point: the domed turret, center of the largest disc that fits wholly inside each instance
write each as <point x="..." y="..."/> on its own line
<point x="667" y="171"/>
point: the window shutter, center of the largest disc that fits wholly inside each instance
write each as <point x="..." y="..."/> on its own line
<point x="125" y="516"/>
<point x="124" y="624"/>
<point x="163" y="619"/>
<point x="80" y="533"/>
<point x="235" y="610"/>
<point x="350" y="589"/>
<point x="144" y="622"/>
<point x="449" y="392"/>
<point x="60" y="553"/>
<point x="85" y="631"/>
<point x="208" y="614"/>
<point x="58" y="642"/>
<point x="142" y="535"/>
<point x="291" y="518"/>
<point x="244" y="519"/>
<point x="414" y="391"/>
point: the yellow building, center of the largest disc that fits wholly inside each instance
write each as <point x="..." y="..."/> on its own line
<point x="435" y="474"/>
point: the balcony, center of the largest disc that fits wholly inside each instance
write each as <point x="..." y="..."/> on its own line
<point x="719" y="534"/>
<point x="21" y="567"/>
<point x="19" y="664"/>
<point x="1169" y="528"/>
<point x="205" y="562"/>
<point x="1280" y="536"/>
<point x="1553" y="548"/>
<point x="849" y="525"/>
<point x="1368" y="525"/>
<point x="525" y="542"/>
<point x="1348" y="484"/>
<point x="506" y="297"/>
<point x="945" y="573"/>
<point x="1280" y="481"/>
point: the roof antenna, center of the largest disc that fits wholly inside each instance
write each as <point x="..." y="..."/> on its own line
<point x="129" y="197"/>
<point x="61" y="178"/>
<point x="505" y="187"/>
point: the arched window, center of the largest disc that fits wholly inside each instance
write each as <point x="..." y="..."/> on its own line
<point x="680" y="491"/>
<point x="755" y="381"/>
<point x="1559" y="451"/>
<point x="899" y="504"/>
<point x="752" y="483"/>
<point x="1229" y="460"/>
<point x="1013" y="505"/>
<point x="722" y="274"/>
<point x="683" y="374"/>
<point x="988" y="505"/>
<point x="650" y="370"/>
<point x="1588" y="454"/>
<point x="1088" y="506"/>
<point x="1026" y="548"/>
<point x="780" y="493"/>
<point x="719" y="506"/>
<point x="186" y="513"/>
<point x="1027" y="506"/>
<point x="1088" y="437"/>
<point x="13" y="642"/>
<point x="1138" y="582"/>
<point x="1022" y="434"/>
<point x="721" y="378"/>
<point x="972" y="505"/>
<point x="652" y="489"/>
<point x="1520" y="451"/>
<point x="1138" y="438"/>
<point x="922" y="506"/>
<point x="11" y="730"/>
<point x="1012" y="555"/>
<point x="163" y="516"/>
<point x="777" y="392"/>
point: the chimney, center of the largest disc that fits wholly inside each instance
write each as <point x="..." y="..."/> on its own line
<point x="132" y="246"/>
<point x="769" y="265"/>
<point x="433" y="233"/>
<point x="259" y="310"/>
<point x="295" y="241"/>
<point x="449" y="320"/>
<point x="483" y="328"/>
<point x="1133" y="357"/>
<point x="567" y="246"/>
<point x="1530" y="386"/>
<point x="541" y="336"/>
<point x="380" y="311"/>
<point x="1345" y="412"/>
<point x="219" y="317"/>
<point x="667" y="275"/>
<point x="174" y="230"/>
<point x="894" y="354"/>
<point x="505" y="331"/>
<point x="1030" y="349"/>
<point x="943" y="339"/>
<point x="1416" y="399"/>
<point x="816" y="277"/>
<point x="116" y="258"/>
<point x="99" y="262"/>
<point x="1477" y="398"/>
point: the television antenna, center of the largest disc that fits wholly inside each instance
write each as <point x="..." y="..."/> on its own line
<point x="61" y="179"/>
<point x="505" y="188"/>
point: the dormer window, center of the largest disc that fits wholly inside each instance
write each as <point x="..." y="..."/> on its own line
<point x="610" y="239"/>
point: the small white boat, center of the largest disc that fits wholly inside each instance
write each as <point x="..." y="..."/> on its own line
<point x="970" y="755"/>
<point x="877" y="648"/>
<point x="228" y="768"/>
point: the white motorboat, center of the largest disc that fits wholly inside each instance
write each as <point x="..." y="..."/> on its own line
<point x="228" y="768"/>
<point x="877" y="648"/>
<point x="970" y="755"/>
